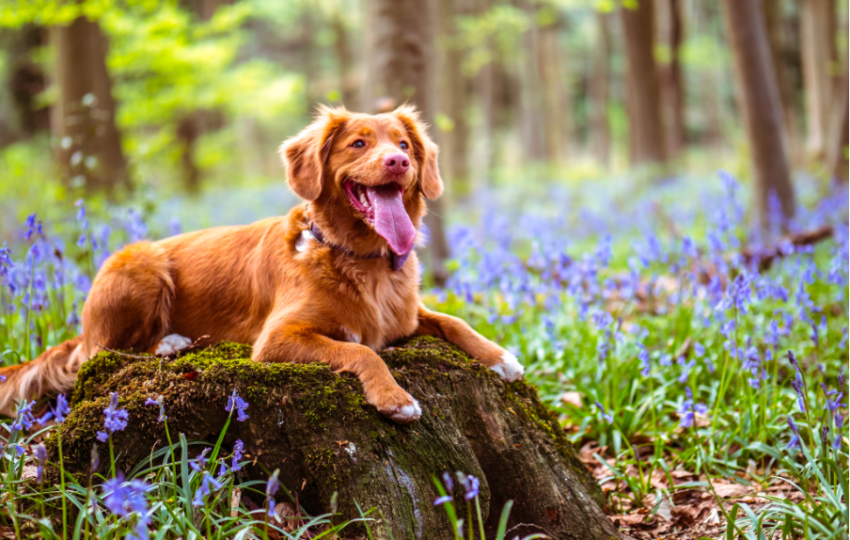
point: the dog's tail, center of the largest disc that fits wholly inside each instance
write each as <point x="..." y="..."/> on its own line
<point x="53" y="371"/>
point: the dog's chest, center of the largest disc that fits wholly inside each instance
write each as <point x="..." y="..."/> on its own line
<point x="388" y="311"/>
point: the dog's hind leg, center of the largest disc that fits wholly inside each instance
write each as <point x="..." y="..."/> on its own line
<point x="53" y="371"/>
<point x="128" y="308"/>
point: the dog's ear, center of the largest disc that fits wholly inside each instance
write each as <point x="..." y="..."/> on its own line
<point x="305" y="155"/>
<point x="424" y="150"/>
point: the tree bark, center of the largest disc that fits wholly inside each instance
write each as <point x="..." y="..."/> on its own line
<point x="759" y="101"/>
<point x="401" y="52"/>
<point x="552" y="105"/>
<point x="342" y="48"/>
<point x="774" y="24"/>
<point x="674" y="90"/>
<point x="837" y="145"/>
<point x="83" y="119"/>
<point x="315" y="427"/>
<point x="645" y="119"/>
<point x="818" y="50"/>
<point x="453" y="95"/>
<point x="25" y="81"/>
<point x="600" y="90"/>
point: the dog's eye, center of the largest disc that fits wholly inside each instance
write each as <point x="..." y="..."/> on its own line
<point x="403" y="145"/>
<point x="358" y="144"/>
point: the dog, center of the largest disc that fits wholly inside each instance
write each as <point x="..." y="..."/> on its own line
<point x="336" y="280"/>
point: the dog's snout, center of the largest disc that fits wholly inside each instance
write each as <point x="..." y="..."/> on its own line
<point x="397" y="163"/>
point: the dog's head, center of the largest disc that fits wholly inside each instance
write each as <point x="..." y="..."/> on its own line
<point x="365" y="175"/>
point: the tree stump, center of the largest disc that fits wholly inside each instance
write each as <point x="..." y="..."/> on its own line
<point x="316" y="427"/>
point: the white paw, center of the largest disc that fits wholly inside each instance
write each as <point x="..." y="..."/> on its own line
<point x="510" y="369"/>
<point x="406" y="413"/>
<point x="172" y="343"/>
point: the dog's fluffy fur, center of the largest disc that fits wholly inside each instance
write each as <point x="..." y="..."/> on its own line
<point x="294" y="299"/>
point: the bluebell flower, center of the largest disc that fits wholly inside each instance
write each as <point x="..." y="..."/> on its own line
<point x="686" y="368"/>
<point x="643" y="356"/>
<point x="41" y="455"/>
<point x="200" y="463"/>
<point x="447" y="481"/>
<point x="795" y="434"/>
<point x="470" y="485"/>
<point x="116" y="419"/>
<point x="208" y="485"/>
<point x="442" y="500"/>
<point x="699" y="350"/>
<point x="240" y="404"/>
<point x="124" y="499"/>
<point x="689" y="408"/>
<point x="238" y="449"/>
<point x="102" y="436"/>
<point x="272" y="485"/>
<point x="607" y="416"/>
<point x="158" y="403"/>
<point x="24" y="419"/>
<point x="57" y="413"/>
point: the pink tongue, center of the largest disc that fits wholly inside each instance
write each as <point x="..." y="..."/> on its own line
<point x="391" y="219"/>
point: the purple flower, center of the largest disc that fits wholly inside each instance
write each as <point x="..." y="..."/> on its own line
<point x="699" y="350"/>
<point x="123" y="499"/>
<point x="447" y="481"/>
<point x="272" y="486"/>
<point x="41" y="455"/>
<point x="470" y="484"/>
<point x="688" y="409"/>
<point x="238" y="449"/>
<point x="158" y="403"/>
<point x="442" y="500"/>
<point x="24" y="419"/>
<point x="240" y="404"/>
<point x="57" y="413"/>
<point x="200" y="463"/>
<point x="795" y="434"/>
<point x="116" y="419"/>
<point x="686" y="368"/>
<point x="608" y="417"/>
<point x="102" y="436"/>
<point x="643" y="356"/>
<point x="208" y="485"/>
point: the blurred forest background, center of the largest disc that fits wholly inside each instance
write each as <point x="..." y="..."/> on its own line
<point x="159" y="102"/>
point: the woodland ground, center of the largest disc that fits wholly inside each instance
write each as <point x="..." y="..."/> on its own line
<point x="705" y="387"/>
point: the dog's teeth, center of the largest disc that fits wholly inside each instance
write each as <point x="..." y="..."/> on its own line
<point x="363" y="200"/>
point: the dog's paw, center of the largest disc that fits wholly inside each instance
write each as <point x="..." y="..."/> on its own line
<point x="406" y="413"/>
<point x="171" y="344"/>
<point x="510" y="369"/>
<point x="397" y="405"/>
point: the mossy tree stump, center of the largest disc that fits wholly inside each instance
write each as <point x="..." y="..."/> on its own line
<point x="316" y="428"/>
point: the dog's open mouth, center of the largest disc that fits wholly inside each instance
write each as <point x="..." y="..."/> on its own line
<point x="382" y="207"/>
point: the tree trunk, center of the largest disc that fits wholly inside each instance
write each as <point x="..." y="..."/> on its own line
<point x="600" y="90"/>
<point x="674" y="91"/>
<point x="552" y="105"/>
<point x="401" y="53"/>
<point x="342" y="47"/>
<point x="817" y="33"/>
<point x="774" y="24"/>
<point x="839" y="150"/>
<point x="759" y="101"/>
<point x="315" y="427"/>
<point x="25" y="81"/>
<point x="83" y="119"/>
<point x="453" y="96"/>
<point x="645" y="119"/>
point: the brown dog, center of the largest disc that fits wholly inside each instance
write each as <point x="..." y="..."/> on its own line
<point x="335" y="280"/>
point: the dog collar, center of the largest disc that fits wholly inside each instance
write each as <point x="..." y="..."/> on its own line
<point x="396" y="261"/>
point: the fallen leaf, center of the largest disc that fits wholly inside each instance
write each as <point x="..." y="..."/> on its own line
<point x="572" y="398"/>
<point x="730" y="491"/>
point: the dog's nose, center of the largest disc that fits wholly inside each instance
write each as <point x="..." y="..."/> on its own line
<point x="397" y="163"/>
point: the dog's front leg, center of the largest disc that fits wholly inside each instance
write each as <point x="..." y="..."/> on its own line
<point x="457" y="331"/>
<point x="303" y="343"/>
